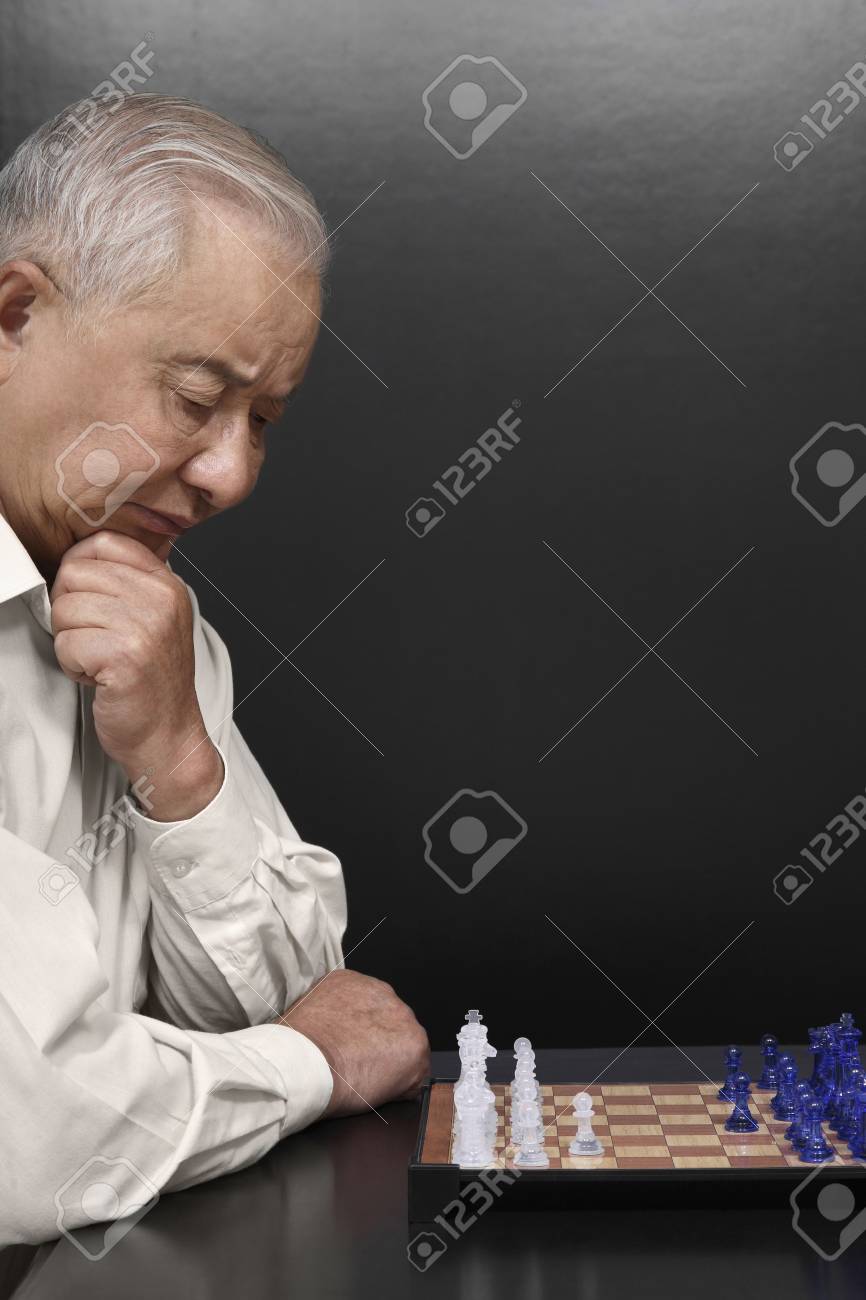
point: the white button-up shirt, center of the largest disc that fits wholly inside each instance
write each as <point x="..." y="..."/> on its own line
<point x="141" y="961"/>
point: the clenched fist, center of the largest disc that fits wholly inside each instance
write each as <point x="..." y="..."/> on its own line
<point x="375" y="1047"/>
<point x="123" y="624"/>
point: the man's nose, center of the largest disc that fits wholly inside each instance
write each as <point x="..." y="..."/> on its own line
<point x="226" y="468"/>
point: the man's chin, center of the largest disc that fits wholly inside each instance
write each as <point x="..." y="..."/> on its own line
<point x="159" y="543"/>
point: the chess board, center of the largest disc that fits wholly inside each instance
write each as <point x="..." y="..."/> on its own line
<point x="640" y="1125"/>
<point x="670" y="1135"/>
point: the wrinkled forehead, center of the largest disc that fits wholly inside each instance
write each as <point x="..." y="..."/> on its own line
<point x="261" y="319"/>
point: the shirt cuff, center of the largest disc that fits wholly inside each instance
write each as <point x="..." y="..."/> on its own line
<point x="303" y="1068"/>
<point x="200" y="860"/>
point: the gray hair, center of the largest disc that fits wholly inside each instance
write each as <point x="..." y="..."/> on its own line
<point x="103" y="212"/>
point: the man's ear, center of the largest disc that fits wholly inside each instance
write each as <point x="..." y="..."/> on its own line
<point x="24" y="290"/>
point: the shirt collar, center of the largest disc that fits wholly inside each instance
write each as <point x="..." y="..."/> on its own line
<point x="19" y="576"/>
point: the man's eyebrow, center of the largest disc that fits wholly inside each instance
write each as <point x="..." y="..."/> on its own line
<point x="225" y="371"/>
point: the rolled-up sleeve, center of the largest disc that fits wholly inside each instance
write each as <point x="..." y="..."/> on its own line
<point x="245" y="915"/>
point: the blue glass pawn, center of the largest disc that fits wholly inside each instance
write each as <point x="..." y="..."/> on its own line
<point x="732" y="1065"/>
<point x="785" y="1109"/>
<point x="815" y="1148"/>
<point x="794" y="1133"/>
<point x="784" y="1062"/>
<point x="857" y="1143"/>
<point x="741" y="1119"/>
<point x="770" y="1073"/>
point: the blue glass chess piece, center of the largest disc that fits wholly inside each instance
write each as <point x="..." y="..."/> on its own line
<point x="784" y="1062"/>
<point x="848" y="1065"/>
<point x="732" y="1066"/>
<point x="846" y="1111"/>
<point x="857" y="1142"/>
<point x="833" y="1074"/>
<point x="794" y="1133"/>
<point x="815" y="1148"/>
<point x="785" y="1101"/>
<point x="849" y="1031"/>
<point x="741" y="1119"/>
<point x="770" y="1073"/>
<point x="822" y="1079"/>
<point x="816" y="1047"/>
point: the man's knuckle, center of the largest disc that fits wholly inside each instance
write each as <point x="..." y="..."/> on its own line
<point x="135" y="649"/>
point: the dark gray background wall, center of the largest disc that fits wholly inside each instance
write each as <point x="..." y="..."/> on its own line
<point x="657" y="826"/>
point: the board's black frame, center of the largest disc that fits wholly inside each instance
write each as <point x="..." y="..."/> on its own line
<point x="433" y="1187"/>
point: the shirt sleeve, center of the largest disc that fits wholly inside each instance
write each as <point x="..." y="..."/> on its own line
<point x="245" y="916"/>
<point x="105" y="1109"/>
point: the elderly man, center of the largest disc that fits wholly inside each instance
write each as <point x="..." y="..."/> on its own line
<point x="170" y="1003"/>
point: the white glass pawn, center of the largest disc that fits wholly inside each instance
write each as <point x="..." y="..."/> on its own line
<point x="585" y="1142"/>
<point x="472" y="1147"/>
<point x="519" y="1095"/>
<point x="524" y="1077"/>
<point x="531" y="1154"/>
<point x="526" y="1061"/>
<point x="491" y="1119"/>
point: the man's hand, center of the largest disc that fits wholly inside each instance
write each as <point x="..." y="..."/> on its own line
<point x="375" y="1047"/>
<point x="123" y="624"/>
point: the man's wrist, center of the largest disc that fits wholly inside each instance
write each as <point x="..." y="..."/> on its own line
<point x="180" y="787"/>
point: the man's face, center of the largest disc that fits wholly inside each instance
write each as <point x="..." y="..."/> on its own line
<point x="197" y="439"/>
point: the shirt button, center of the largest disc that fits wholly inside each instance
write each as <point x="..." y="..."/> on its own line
<point x="182" y="867"/>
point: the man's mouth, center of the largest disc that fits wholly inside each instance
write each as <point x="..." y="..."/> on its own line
<point x="155" y="521"/>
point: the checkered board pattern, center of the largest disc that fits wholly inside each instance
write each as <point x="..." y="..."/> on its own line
<point x="651" y="1126"/>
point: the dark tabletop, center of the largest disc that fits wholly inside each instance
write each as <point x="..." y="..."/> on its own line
<point x="324" y="1215"/>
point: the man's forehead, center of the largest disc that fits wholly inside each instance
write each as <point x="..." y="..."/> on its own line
<point x="227" y="248"/>
<point x="272" y="351"/>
